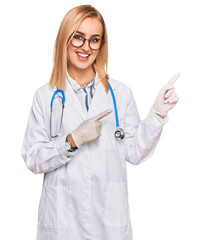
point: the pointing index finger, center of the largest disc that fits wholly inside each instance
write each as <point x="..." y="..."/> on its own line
<point x="103" y="114"/>
<point x="173" y="79"/>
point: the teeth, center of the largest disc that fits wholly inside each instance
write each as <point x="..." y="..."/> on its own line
<point x="82" y="55"/>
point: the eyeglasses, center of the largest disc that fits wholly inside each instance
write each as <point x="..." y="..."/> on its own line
<point x="94" y="43"/>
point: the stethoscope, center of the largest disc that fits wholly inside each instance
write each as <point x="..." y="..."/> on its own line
<point x="119" y="133"/>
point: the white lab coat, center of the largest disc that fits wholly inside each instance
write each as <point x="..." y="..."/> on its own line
<point x="84" y="194"/>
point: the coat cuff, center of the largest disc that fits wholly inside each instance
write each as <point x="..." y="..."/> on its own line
<point x="155" y="121"/>
<point x="60" y="145"/>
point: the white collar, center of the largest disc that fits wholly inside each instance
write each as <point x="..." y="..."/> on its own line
<point x="76" y="86"/>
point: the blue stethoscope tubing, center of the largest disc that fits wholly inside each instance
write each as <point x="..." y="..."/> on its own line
<point x="51" y="109"/>
<point x="55" y="93"/>
<point x="119" y="133"/>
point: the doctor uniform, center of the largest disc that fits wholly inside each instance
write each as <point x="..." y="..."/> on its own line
<point x="84" y="194"/>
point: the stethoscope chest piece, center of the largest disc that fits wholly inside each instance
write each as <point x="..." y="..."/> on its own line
<point x="119" y="133"/>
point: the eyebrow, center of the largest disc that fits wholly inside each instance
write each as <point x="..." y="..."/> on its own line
<point x="94" y="35"/>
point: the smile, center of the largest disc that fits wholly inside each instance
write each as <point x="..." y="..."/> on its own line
<point x="83" y="55"/>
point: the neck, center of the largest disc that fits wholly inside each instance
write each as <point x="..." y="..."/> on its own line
<point x="82" y="76"/>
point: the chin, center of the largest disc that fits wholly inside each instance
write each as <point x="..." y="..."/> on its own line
<point x="83" y="65"/>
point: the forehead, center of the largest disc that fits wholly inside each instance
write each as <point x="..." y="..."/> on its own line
<point x="91" y="26"/>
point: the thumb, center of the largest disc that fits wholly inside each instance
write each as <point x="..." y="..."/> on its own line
<point x="103" y="114"/>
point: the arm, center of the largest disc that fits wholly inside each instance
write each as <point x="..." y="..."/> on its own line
<point x="141" y="137"/>
<point x="159" y="115"/>
<point x="40" y="153"/>
<point x="70" y="140"/>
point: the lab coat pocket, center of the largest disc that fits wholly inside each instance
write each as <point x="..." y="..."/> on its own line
<point x="53" y="211"/>
<point x="116" y="212"/>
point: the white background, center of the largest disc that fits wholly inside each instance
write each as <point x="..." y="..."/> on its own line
<point x="149" y="41"/>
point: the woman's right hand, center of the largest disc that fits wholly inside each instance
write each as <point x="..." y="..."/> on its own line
<point x="89" y="130"/>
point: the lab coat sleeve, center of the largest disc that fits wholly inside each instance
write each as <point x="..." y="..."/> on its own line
<point x="141" y="137"/>
<point x="40" y="153"/>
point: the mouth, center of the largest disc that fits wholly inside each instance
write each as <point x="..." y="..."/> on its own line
<point x="83" y="55"/>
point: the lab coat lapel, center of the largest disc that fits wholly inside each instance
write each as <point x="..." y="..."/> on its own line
<point x="100" y="101"/>
<point x="73" y="104"/>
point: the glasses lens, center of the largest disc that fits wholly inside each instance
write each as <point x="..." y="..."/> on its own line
<point x="77" y="41"/>
<point x="95" y="43"/>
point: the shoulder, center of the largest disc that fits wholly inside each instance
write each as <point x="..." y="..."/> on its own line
<point x="44" y="89"/>
<point x="43" y="94"/>
<point x="120" y="87"/>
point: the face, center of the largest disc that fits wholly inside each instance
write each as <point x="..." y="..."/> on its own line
<point x="90" y="28"/>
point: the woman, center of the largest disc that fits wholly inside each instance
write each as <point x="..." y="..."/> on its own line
<point x="84" y="193"/>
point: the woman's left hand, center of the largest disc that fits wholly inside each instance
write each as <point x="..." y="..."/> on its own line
<point x="166" y="98"/>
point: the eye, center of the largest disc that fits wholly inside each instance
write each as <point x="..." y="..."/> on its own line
<point x="78" y="37"/>
<point x="95" y="40"/>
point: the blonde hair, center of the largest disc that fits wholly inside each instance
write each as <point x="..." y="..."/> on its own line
<point x="68" y="28"/>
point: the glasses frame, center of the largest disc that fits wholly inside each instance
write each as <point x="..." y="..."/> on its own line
<point x="84" y="39"/>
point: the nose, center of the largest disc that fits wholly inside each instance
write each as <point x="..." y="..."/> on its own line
<point x="86" y="46"/>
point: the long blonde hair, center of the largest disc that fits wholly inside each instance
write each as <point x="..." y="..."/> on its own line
<point x="68" y="28"/>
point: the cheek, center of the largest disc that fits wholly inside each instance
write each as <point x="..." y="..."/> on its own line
<point x="70" y="53"/>
<point x="95" y="54"/>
